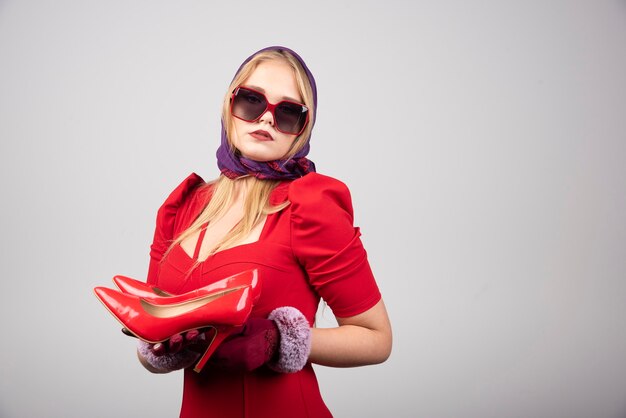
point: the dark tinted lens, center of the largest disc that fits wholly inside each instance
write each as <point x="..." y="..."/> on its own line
<point x="290" y="117"/>
<point x="248" y="105"/>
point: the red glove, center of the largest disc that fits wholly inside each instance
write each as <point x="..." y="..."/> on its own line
<point x="254" y="346"/>
<point x="283" y="342"/>
<point x="178" y="342"/>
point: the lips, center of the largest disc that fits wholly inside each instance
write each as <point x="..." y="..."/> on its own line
<point x="262" y="135"/>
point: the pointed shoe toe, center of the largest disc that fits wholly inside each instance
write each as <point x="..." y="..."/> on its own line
<point x="138" y="288"/>
<point x="154" y="323"/>
<point x="143" y="290"/>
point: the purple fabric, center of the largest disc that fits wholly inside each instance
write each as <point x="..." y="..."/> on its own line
<point x="233" y="165"/>
<point x="295" y="340"/>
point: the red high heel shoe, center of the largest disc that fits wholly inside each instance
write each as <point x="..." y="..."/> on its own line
<point x="138" y="288"/>
<point x="154" y="322"/>
<point x="145" y="291"/>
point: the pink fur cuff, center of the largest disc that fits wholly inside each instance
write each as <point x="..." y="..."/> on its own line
<point x="295" y="340"/>
<point x="167" y="362"/>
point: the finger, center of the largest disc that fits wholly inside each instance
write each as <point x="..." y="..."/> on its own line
<point x="158" y="349"/>
<point x="175" y="343"/>
<point x="192" y="336"/>
<point x="200" y="344"/>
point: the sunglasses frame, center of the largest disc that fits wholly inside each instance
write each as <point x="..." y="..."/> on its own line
<point x="270" y="107"/>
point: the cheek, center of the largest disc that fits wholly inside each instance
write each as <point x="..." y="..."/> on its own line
<point x="285" y="142"/>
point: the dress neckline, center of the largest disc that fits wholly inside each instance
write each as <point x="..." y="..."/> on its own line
<point x="225" y="250"/>
<point x="214" y="255"/>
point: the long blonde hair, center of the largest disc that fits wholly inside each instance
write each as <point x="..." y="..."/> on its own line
<point x="257" y="204"/>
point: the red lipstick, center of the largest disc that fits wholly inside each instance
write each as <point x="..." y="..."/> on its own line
<point x="262" y="135"/>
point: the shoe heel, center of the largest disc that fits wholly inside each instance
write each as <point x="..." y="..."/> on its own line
<point x="219" y="335"/>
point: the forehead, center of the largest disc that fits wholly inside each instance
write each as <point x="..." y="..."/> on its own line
<point x="276" y="79"/>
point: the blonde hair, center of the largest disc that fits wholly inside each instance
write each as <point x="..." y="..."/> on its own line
<point x="304" y="88"/>
<point x="257" y="204"/>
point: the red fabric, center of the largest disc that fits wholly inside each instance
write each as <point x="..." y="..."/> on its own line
<point x="307" y="250"/>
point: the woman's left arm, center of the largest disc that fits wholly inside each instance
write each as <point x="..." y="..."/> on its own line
<point x="358" y="340"/>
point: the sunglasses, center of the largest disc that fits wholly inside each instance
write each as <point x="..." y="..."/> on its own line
<point x="249" y="105"/>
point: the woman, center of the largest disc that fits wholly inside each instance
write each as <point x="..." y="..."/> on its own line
<point x="271" y="211"/>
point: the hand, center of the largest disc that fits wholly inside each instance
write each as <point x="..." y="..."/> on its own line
<point x="249" y="349"/>
<point x="283" y="342"/>
<point x="179" y="352"/>
<point x="178" y="342"/>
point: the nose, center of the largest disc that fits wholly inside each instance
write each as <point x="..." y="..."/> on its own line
<point x="268" y="117"/>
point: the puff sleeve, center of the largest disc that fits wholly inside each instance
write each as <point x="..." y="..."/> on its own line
<point x="170" y="217"/>
<point x="328" y="246"/>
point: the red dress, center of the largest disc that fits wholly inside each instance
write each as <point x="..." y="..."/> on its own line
<point x="306" y="251"/>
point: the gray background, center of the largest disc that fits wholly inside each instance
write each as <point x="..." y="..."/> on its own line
<point x="483" y="142"/>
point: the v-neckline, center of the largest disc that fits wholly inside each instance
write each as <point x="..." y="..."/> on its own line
<point x="210" y="256"/>
<point x="219" y="253"/>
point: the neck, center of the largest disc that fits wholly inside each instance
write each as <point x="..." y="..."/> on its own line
<point x="240" y="189"/>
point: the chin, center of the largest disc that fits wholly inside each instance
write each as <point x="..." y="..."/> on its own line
<point x="257" y="157"/>
<point x="260" y="155"/>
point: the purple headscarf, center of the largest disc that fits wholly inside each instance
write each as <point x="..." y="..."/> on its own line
<point x="235" y="165"/>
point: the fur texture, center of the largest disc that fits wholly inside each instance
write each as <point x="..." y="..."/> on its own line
<point x="295" y="340"/>
<point x="167" y="362"/>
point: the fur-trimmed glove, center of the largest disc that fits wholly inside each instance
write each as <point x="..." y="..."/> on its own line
<point x="179" y="352"/>
<point x="282" y="341"/>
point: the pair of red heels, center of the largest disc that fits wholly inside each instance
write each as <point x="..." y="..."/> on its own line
<point x="154" y="316"/>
